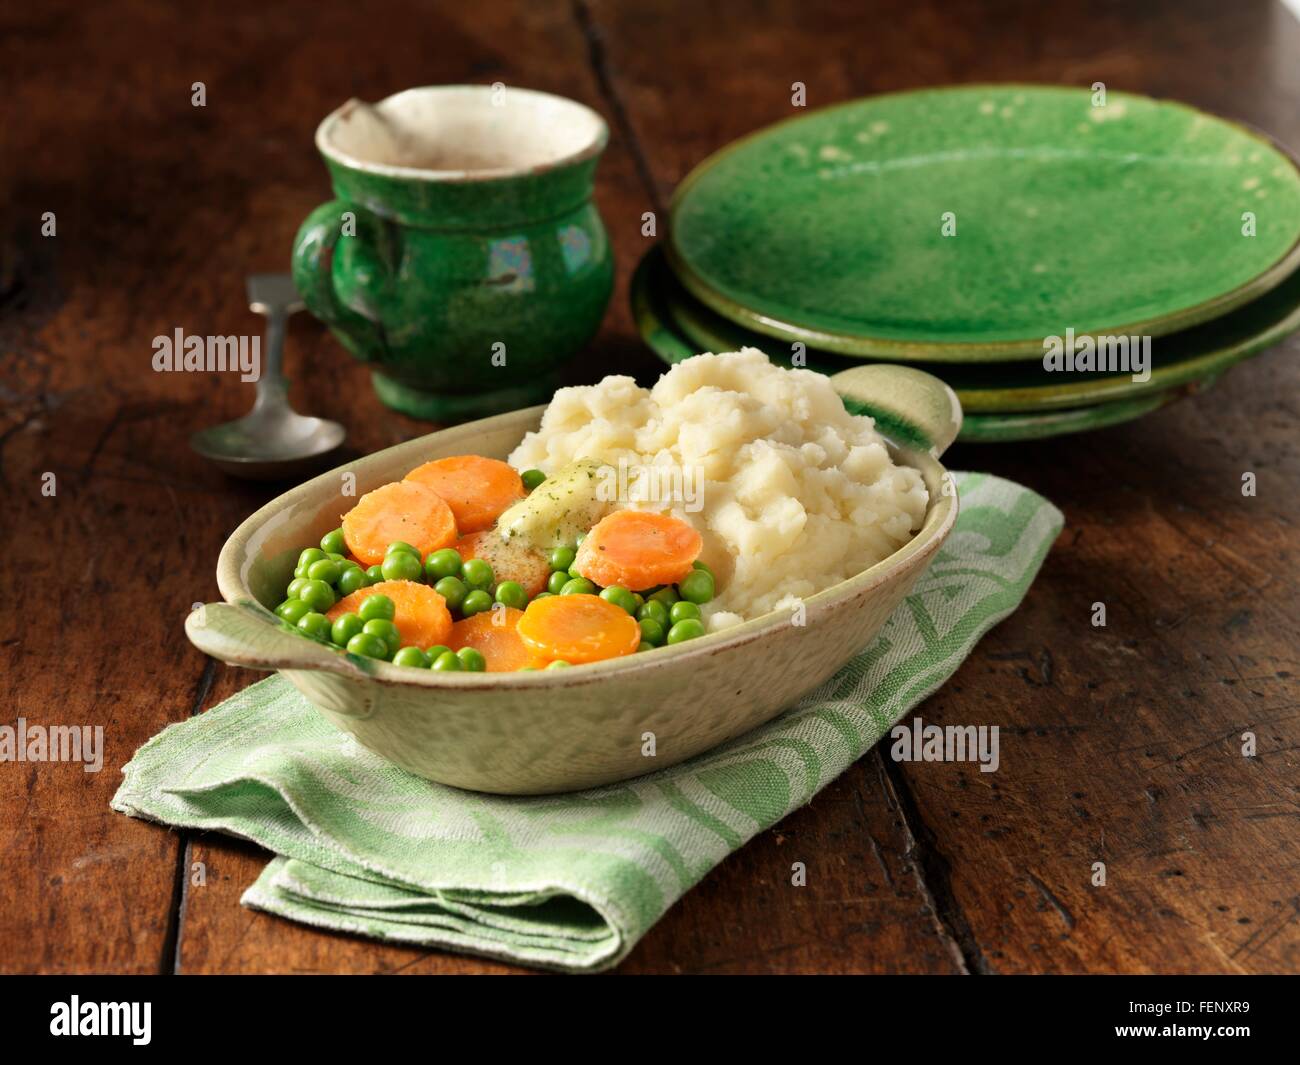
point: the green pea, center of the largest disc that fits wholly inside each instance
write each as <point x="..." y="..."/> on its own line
<point x="559" y="663"/>
<point x="436" y="651"/>
<point x="620" y="596"/>
<point x="640" y="599"/>
<point x="315" y="625"/>
<point x="578" y="586"/>
<point x="334" y="556"/>
<point x="543" y="595"/>
<point x="325" y="570"/>
<point x="402" y="566"/>
<point x="377" y="608"/>
<point x="444" y="563"/>
<point x="697" y="564"/>
<point x="652" y="631"/>
<point x="511" y="593"/>
<point x="683" y="610"/>
<point x="471" y="660"/>
<point x="352" y="580"/>
<point x="345" y="627"/>
<point x="402" y="545"/>
<point x="557" y="580"/>
<point x="653" y="610"/>
<point x="300" y="572"/>
<point x="577" y="540"/>
<point x="363" y="643"/>
<point x="386" y="631"/>
<point x="562" y="558"/>
<point x="375" y="574"/>
<point x="476" y="573"/>
<point x="411" y="656"/>
<point x="446" y="662"/>
<point x="643" y="646"/>
<point x="532" y="478"/>
<point x="666" y="595"/>
<point x="295" y="586"/>
<point x="292" y="610"/>
<point x="687" y="629"/>
<point x="310" y="555"/>
<point x="697" y="586"/>
<point x="334" y="543"/>
<point x="318" y="595"/>
<point x="475" y="602"/>
<point x="453" y="590"/>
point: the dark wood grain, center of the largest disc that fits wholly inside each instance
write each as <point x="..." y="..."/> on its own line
<point x="1119" y="744"/>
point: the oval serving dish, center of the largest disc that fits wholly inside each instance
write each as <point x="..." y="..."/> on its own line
<point x="562" y="730"/>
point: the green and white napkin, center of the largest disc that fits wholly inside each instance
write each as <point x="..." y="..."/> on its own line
<point x="562" y="881"/>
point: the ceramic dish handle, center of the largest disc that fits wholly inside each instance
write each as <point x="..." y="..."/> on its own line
<point x="246" y="634"/>
<point x="910" y="407"/>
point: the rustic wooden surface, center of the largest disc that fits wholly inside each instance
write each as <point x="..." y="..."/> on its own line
<point x="1119" y="744"/>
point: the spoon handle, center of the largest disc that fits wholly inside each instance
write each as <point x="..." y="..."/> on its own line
<point x="273" y="295"/>
<point x="272" y="385"/>
<point x="275" y="330"/>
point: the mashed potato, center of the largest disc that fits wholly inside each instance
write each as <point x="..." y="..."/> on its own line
<point x="790" y="492"/>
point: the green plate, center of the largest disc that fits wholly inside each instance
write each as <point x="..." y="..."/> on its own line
<point x="1178" y="359"/>
<point x="672" y="346"/>
<point x="1128" y="218"/>
<point x="1001" y="428"/>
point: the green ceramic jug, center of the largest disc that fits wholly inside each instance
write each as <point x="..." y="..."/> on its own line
<point x="463" y="257"/>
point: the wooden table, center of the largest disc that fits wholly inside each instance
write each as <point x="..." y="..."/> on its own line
<point x="1120" y="744"/>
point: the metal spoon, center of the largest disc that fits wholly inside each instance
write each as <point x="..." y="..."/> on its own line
<point x="272" y="441"/>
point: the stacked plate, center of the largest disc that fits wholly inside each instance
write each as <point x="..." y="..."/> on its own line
<point x="1065" y="259"/>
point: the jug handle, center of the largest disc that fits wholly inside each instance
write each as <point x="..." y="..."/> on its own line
<point x="313" y="274"/>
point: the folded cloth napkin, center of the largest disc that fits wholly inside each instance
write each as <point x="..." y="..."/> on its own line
<point x="562" y="881"/>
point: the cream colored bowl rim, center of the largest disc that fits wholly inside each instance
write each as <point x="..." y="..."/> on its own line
<point x="926" y="541"/>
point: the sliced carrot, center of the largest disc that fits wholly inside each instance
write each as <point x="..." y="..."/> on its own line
<point x="638" y="549"/>
<point x="476" y="489"/>
<point x="578" y="628"/>
<point x="492" y="633"/>
<point x="511" y="560"/>
<point x="404" y="511"/>
<point x="420" y="613"/>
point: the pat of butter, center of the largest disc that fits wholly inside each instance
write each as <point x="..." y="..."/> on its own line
<point x="562" y="506"/>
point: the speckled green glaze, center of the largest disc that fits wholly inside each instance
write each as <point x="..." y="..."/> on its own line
<point x="445" y="266"/>
<point x="672" y="346"/>
<point x="1178" y="359"/>
<point x="1125" y="218"/>
<point x="551" y="730"/>
<point x="1006" y="428"/>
